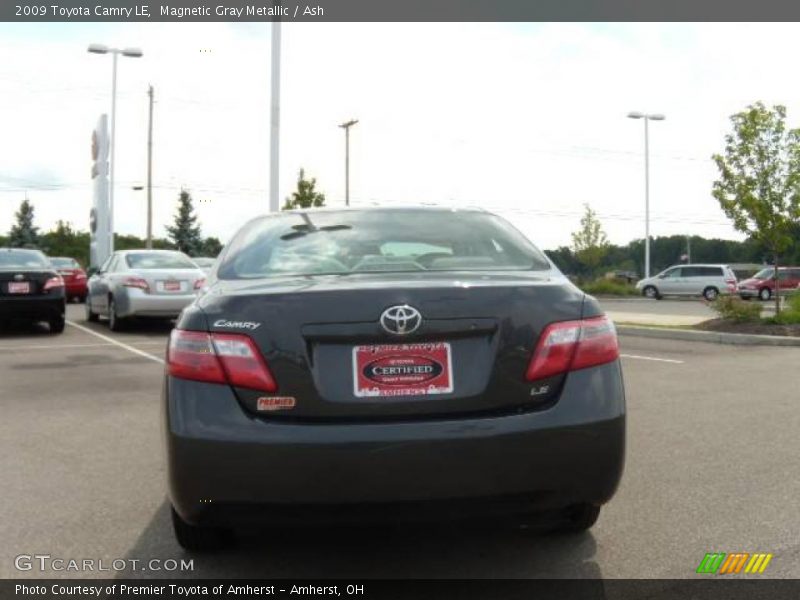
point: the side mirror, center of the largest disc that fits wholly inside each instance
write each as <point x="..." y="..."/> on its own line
<point x="91" y="271"/>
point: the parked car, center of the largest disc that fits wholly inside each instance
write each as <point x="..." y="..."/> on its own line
<point x="622" y="276"/>
<point x="204" y="262"/>
<point x="142" y="283"/>
<point x="74" y="277"/>
<point x="349" y="365"/>
<point x="708" y="281"/>
<point x="745" y="270"/>
<point x="31" y="288"/>
<point x="762" y="284"/>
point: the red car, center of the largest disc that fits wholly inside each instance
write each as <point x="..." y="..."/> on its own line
<point x="74" y="277"/>
<point x="762" y="284"/>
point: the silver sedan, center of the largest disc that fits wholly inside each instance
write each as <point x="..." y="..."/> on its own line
<point x="142" y="283"/>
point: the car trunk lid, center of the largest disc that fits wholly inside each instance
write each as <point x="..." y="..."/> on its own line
<point x="15" y="282"/>
<point x="167" y="282"/>
<point x="323" y="340"/>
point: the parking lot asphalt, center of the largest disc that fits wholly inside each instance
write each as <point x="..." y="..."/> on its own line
<point x="711" y="462"/>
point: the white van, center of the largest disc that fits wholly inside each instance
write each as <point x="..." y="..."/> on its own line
<point x="708" y="281"/>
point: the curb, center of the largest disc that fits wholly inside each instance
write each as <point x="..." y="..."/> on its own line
<point x="711" y="337"/>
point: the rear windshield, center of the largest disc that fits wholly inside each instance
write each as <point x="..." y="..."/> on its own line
<point x="339" y="243"/>
<point x="23" y="259"/>
<point x="65" y="263"/>
<point x="159" y="260"/>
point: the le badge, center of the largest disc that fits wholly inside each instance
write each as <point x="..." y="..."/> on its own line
<point x="276" y="402"/>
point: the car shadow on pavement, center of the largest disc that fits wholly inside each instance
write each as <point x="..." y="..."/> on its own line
<point x="157" y="327"/>
<point x="385" y="552"/>
<point x="18" y="329"/>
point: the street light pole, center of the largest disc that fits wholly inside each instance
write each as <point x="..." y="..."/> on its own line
<point x="647" y="118"/>
<point x="112" y="160"/>
<point x="132" y="53"/>
<point x="647" y="197"/>
<point x="275" y="117"/>
<point x="149" y="242"/>
<point x="346" y="127"/>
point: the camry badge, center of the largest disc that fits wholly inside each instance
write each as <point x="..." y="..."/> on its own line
<point x="251" y="325"/>
<point x="401" y="319"/>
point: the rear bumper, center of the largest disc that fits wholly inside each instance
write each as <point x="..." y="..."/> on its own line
<point x="137" y="303"/>
<point x="76" y="289"/>
<point x="40" y="308"/>
<point x="226" y="467"/>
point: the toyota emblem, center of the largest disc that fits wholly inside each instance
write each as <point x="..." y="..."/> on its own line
<point x="401" y="319"/>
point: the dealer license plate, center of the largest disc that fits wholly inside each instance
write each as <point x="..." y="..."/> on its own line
<point x="170" y="286"/>
<point x="402" y="370"/>
<point x="19" y="287"/>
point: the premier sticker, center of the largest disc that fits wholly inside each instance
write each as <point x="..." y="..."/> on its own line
<point x="276" y="402"/>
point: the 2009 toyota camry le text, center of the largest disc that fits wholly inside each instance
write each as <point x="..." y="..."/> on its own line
<point x="389" y="364"/>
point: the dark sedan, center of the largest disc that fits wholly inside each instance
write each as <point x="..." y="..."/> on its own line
<point x="389" y="364"/>
<point x="31" y="288"/>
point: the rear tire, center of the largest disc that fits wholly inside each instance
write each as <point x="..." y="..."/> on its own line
<point x="651" y="292"/>
<point x="115" y="323"/>
<point x="579" y="518"/>
<point x="711" y="294"/>
<point x="199" y="539"/>
<point x="765" y="294"/>
<point x="57" y="324"/>
<point x="91" y="316"/>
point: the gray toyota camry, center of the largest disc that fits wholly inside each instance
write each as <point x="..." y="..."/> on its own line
<point x="389" y="364"/>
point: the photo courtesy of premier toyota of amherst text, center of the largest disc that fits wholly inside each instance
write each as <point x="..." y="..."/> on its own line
<point x="361" y="299"/>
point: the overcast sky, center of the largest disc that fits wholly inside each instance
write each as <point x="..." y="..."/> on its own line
<point x="527" y="120"/>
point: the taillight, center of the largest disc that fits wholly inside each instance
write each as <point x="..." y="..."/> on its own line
<point x="191" y="356"/>
<point x="198" y="285"/>
<point x="80" y="275"/>
<point x="52" y="283"/>
<point x="218" y="358"/>
<point x="572" y="345"/>
<point x="136" y="282"/>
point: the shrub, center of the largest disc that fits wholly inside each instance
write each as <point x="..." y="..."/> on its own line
<point x="790" y="315"/>
<point x="793" y="302"/>
<point x="608" y="287"/>
<point x="734" y="309"/>
<point x="786" y="317"/>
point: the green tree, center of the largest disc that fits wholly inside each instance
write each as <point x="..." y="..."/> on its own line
<point x="211" y="247"/>
<point x="185" y="233"/>
<point x="65" y="241"/>
<point x="759" y="178"/>
<point x="133" y="242"/>
<point x="590" y="243"/>
<point x="23" y="233"/>
<point x="305" y="196"/>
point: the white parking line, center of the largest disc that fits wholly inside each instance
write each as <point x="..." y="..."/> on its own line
<point x="53" y="346"/>
<point x="59" y="346"/>
<point x="666" y="360"/>
<point x="117" y="343"/>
